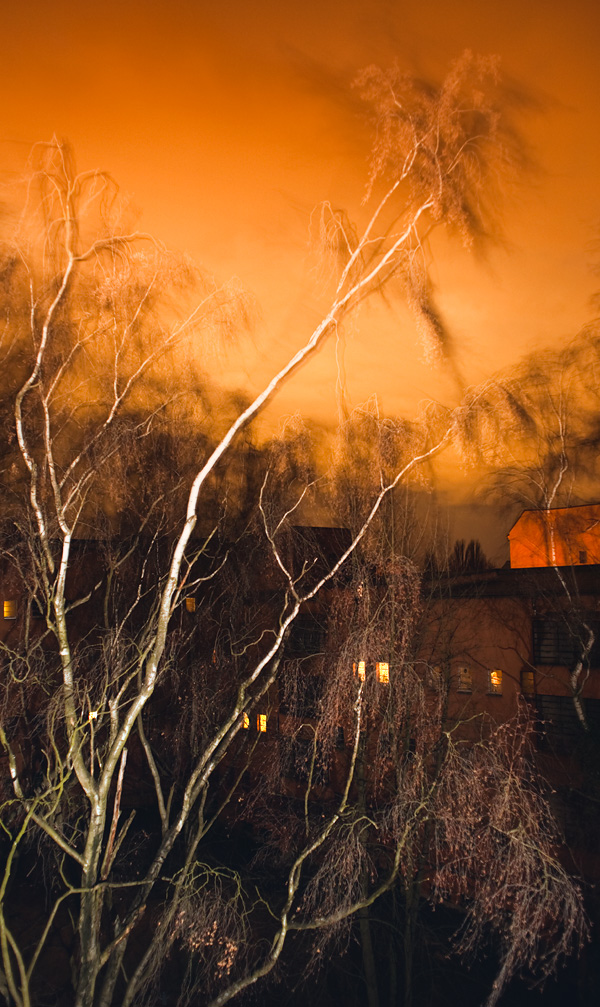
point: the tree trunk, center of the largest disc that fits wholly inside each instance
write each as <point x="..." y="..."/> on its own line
<point x="366" y="942"/>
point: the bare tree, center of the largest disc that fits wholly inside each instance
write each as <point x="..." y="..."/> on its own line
<point x="553" y="465"/>
<point x="417" y="770"/>
<point x="86" y="718"/>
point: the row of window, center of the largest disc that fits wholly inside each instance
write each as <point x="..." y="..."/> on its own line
<point x="261" y="722"/>
<point x="555" y="641"/>
<point x="557" y="713"/>
<point x="553" y="644"/>
<point x="465" y="677"/>
<point x="9" y="606"/>
<point x="558" y="727"/>
<point x="382" y="671"/>
<point x="494" y="681"/>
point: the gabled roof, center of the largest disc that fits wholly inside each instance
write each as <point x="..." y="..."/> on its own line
<point x="557" y="514"/>
<point x="559" y="536"/>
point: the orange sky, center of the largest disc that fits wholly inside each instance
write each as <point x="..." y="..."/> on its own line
<point x="228" y="122"/>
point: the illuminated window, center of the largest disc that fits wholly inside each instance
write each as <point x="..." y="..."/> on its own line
<point x="527" y="682"/>
<point x="465" y="680"/>
<point x="495" y="682"/>
<point x="10" y="609"/>
<point x="190" y="604"/>
<point x="261" y="723"/>
<point x="245" y="721"/>
<point x="383" y="672"/>
<point x="359" y="668"/>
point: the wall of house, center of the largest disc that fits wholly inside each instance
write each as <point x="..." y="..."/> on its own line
<point x="566" y="536"/>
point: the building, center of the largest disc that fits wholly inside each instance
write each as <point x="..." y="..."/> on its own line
<point x="562" y="536"/>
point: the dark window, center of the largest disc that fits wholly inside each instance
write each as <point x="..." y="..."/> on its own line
<point x="298" y="755"/>
<point x="555" y="642"/>
<point x="527" y="682"/>
<point x="316" y="550"/>
<point x="302" y="696"/>
<point x="306" y="638"/>
<point x="552" y="642"/>
<point x="558" y="723"/>
<point x="578" y="816"/>
<point x="583" y="555"/>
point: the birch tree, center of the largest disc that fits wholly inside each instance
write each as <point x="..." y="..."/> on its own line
<point x="88" y="325"/>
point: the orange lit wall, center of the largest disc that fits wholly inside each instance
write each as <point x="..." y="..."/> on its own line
<point x="565" y="536"/>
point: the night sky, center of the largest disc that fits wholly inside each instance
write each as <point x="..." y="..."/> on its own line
<point x="226" y="123"/>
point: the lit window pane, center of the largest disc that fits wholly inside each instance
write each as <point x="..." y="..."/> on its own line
<point x="359" y="668"/>
<point x="261" y="723"/>
<point x="190" y="604"/>
<point x="496" y="682"/>
<point x="383" y="672"/>
<point x="10" y="609"/>
<point x="245" y="721"/>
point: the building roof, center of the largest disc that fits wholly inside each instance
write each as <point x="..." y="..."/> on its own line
<point x="560" y="536"/>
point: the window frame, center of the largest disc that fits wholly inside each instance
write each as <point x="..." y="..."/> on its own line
<point x="359" y="670"/>
<point x="495" y="687"/>
<point x="529" y="674"/>
<point x="382" y="671"/>
<point x="465" y="680"/>
<point x="10" y="610"/>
